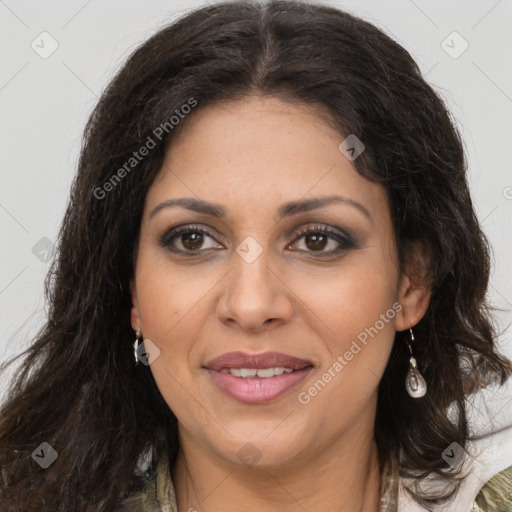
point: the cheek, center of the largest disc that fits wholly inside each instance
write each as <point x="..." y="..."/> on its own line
<point x="173" y="306"/>
<point x="170" y="298"/>
<point x="166" y="310"/>
<point x="346" y="302"/>
<point x="353" y="313"/>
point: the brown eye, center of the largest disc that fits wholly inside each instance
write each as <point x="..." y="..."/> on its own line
<point x="323" y="241"/>
<point x="187" y="239"/>
<point x="192" y="240"/>
<point x="318" y="238"/>
<point x="315" y="241"/>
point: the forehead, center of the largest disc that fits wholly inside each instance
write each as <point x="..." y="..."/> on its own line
<point x="257" y="153"/>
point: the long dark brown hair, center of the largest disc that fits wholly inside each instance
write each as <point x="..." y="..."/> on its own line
<point x="78" y="388"/>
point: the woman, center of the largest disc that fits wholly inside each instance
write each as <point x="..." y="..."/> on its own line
<point x="271" y="206"/>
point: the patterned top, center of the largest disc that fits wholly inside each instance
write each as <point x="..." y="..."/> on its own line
<point x="157" y="493"/>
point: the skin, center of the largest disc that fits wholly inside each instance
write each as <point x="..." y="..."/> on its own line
<point x="251" y="156"/>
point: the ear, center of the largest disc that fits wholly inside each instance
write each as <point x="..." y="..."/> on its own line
<point x="414" y="289"/>
<point x="135" y="317"/>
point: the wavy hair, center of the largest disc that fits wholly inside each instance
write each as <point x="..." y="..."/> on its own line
<point x="78" y="388"/>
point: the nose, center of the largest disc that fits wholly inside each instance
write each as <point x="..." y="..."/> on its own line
<point x="255" y="295"/>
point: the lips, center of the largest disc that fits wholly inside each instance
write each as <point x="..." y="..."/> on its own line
<point x="232" y="373"/>
<point x="256" y="361"/>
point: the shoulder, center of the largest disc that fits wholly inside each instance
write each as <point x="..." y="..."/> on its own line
<point x="496" y="494"/>
<point x="141" y="498"/>
<point x="153" y="493"/>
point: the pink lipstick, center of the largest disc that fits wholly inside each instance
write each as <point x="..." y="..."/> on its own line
<point x="257" y="378"/>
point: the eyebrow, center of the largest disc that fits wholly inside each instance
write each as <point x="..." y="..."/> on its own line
<point x="285" y="210"/>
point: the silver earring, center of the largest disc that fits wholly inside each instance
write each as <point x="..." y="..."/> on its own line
<point x="136" y="346"/>
<point x="414" y="382"/>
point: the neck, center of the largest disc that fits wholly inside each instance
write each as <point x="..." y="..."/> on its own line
<point x="337" y="478"/>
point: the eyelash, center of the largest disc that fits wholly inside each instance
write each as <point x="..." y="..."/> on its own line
<point x="345" y="241"/>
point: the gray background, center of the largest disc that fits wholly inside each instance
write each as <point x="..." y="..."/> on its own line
<point x="44" y="103"/>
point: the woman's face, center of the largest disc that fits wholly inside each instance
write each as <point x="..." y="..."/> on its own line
<point x="245" y="276"/>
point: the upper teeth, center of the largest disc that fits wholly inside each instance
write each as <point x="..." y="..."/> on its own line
<point x="264" y="373"/>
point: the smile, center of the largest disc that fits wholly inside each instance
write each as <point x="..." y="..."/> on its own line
<point x="262" y="373"/>
<point x="253" y="388"/>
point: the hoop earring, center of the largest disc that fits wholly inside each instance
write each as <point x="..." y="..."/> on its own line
<point x="414" y="382"/>
<point x="136" y="346"/>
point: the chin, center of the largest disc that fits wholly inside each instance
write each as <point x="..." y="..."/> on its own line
<point x="261" y="452"/>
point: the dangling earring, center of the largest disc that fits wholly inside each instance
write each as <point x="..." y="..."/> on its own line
<point x="136" y="346"/>
<point x="414" y="382"/>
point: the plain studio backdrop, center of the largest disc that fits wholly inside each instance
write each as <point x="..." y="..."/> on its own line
<point x="57" y="57"/>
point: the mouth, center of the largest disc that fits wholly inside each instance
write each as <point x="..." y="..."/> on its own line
<point x="266" y="360"/>
<point x="262" y="373"/>
<point x="259" y="378"/>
